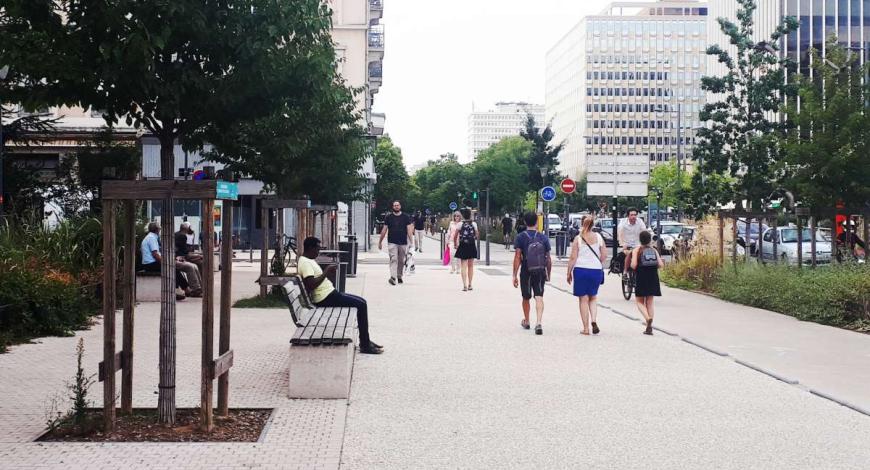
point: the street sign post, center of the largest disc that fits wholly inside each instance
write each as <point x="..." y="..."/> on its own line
<point x="453" y="206"/>
<point x="617" y="175"/>
<point x="568" y="186"/>
<point x="548" y="193"/>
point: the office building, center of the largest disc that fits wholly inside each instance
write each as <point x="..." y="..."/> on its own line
<point x="505" y="120"/>
<point x="628" y="82"/>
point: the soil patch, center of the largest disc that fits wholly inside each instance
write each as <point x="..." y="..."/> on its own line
<point x="242" y="425"/>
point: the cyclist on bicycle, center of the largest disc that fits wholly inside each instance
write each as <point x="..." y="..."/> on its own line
<point x="628" y="234"/>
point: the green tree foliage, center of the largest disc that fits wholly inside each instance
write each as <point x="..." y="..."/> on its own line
<point x="742" y="139"/>
<point x="393" y="180"/>
<point x="663" y="177"/>
<point x="828" y="149"/>
<point x="502" y="169"/>
<point x="543" y="155"/>
<point x="443" y="181"/>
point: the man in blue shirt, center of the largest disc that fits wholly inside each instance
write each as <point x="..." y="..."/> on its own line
<point x="151" y="260"/>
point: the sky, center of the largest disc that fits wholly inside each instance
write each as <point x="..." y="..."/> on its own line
<point x="442" y="56"/>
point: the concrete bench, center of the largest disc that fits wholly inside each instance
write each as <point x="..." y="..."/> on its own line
<point x="321" y="349"/>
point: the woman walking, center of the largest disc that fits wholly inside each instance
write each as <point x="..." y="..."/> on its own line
<point x="645" y="262"/>
<point x="452" y="229"/>
<point x="586" y="270"/>
<point x="465" y="239"/>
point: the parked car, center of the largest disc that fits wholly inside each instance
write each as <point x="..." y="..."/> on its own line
<point x="785" y="239"/>
<point x="605" y="228"/>
<point x="670" y="233"/>
<point x="554" y="223"/>
<point x="751" y="240"/>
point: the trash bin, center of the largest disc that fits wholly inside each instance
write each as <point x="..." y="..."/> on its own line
<point x="347" y="256"/>
<point x="561" y="244"/>
<point x="341" y="277"/>
<point x="354" y="259"/>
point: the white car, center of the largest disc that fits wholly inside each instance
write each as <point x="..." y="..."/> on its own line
<point x="784" y="239"/>
<point x="670" y="233"/>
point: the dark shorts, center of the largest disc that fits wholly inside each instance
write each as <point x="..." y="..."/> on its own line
<point x="532" y="283"/>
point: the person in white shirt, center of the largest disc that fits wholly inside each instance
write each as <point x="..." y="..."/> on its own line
<point x="628" y="235"/>
<point x="586" y="271"/>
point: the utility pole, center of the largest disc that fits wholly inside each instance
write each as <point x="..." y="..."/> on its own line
<point x="679" y="160"/>
<point x="487" y="226"/>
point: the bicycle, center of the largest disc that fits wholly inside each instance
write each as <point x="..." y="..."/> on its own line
<point x="628" y="279"/>
<point x="288" y="258"/>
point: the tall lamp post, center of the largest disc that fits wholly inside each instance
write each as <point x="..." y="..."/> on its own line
<point x="3" y="72"/>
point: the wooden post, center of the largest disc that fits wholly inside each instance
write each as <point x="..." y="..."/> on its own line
<point x="206" y="389"/>
<point x="279" y="229"/>
<point x="813" y="234"/>
<point x="866" y="215"/>
<point x="800" y="242"/>
<point x="166" y="387"/>
<point x="760" y="245"/>
<point x="721" y="240"/>
<point x="264" y="252"/>
<point x="776" y="240"/>
<point x="734" y="243"/>
<point x="109" y="315"/>
<point x="748" y="251"/>
<point x="226" y="306"/>
<point x="834" y="247"/>
<point x="129" y="305"/>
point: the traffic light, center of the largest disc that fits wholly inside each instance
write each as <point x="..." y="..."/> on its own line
<point x="474" y="195"/>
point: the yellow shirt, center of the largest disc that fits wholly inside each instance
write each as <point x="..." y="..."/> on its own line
<point x="309" y="268"/>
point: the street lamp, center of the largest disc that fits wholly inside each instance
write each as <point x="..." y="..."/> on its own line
<point x="4" y="71"/>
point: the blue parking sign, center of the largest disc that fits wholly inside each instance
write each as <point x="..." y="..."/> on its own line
<point x="453" y="206"/>
<point x="548" y="193"/>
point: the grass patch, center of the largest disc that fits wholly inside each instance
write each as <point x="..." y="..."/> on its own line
<point x="271" y="301"/>
<point x="700" y="272"/>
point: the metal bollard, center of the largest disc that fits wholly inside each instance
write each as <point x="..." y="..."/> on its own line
<point x="441" y="251"/>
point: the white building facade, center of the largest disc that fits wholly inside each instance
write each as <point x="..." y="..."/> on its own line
<point x="628" y="82"/>
<point x="505" y="120"/>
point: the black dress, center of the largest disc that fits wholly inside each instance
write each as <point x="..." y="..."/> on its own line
<point x="647" y="281"/>
<point x="466" y="249"/>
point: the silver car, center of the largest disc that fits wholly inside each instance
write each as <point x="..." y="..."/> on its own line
<point x="785" y="240"/>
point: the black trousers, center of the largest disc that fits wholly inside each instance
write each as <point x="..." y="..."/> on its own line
<point x="180" y="280"/>
<point x="337" y="299"/>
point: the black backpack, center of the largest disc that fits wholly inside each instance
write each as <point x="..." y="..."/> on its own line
<point x="649" y="257"/>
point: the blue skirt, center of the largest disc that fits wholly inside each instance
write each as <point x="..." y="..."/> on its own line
<point x="587" y="281"/>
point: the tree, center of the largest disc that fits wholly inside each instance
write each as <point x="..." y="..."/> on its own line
<point x="443" y="181"/>
<point x="663" y="177"/>
<point x="543" y="155"/>
<point x="742" y="139"/>
<point x="393" y="181"/>
<point x="22" y="188"/>
<point x="174" y="68"/>
<point x="828" y="147"/>
<point x="501" y="168"/>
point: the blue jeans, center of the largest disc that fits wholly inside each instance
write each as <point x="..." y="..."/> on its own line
<point x="337" y="299"/>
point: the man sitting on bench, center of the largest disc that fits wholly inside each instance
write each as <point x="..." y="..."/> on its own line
<point x="324" y="294"/>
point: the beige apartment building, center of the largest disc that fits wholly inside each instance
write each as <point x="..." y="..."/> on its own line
<point x="627" y="81"/>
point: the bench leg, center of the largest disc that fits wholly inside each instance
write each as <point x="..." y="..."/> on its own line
<point x="321" y="371"/>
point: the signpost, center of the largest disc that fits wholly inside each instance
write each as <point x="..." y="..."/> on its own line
<point x="453" y="206"/>
<point x="548" y="194"/>
<point x="617" y="175"/>
<point x="568" y="186"/>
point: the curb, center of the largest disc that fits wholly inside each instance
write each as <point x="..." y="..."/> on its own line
<point x="706" y="348"/>
<point x="630" y="317"/>
<point x="840" y="402"/>
<point x="767" y="372"/>
<point x="669" y="333"/>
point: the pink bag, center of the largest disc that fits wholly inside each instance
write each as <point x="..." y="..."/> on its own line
<point x="446" y="256"/>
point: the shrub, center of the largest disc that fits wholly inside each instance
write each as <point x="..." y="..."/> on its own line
<point x="700" y="272"/>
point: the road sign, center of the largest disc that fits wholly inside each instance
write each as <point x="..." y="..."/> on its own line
<point x="617" y="175"/>
<point x="568" y="186"/>
<point x="227" y="190"/>
<point x="453" y="206"/>
<point x="428" y="211"/>
<point x="548" y="193"/>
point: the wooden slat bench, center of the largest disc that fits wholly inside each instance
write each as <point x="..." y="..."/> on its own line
<point x="321" y="348"/>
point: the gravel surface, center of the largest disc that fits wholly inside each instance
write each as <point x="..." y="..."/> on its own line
<point x="461" y="385"/>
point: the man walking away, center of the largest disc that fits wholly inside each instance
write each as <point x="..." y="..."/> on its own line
<point x="507" y="226"/>
<point x="532" y="260"/>
<point x="399" y="232"/>
<point x="324" y="294"/>
<point x="419" y="231"/>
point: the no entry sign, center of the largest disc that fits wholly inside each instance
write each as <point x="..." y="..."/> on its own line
<point x="568" y="185"/>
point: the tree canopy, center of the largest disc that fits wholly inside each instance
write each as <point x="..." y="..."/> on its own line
<point x="393" y="180"/>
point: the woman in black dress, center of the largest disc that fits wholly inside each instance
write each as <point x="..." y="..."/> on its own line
<point x="646" y="262"/>
<point x="465" y="239"/>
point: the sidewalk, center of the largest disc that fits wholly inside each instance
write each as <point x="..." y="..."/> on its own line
<point x="461" y="385"/>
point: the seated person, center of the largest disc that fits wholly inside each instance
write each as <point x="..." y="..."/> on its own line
<point x="151" y="261"/>
<point x="324" y="294"/>
<point x="183" y="247"/>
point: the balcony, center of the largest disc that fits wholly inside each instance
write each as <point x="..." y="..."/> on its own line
<point x="376" y="9"/>
<point x="376" y="76"/>
<point x="376" y="43"/>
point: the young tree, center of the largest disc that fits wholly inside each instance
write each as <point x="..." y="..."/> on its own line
<point x="543" y="155"/>
<point x="393" y="180"/>
<point x="742" y="139"/>
<point x="501" y="167"/>
<point x="828" y="148"/>
<point x="663" y="177"/>
<point x="443" y="181"/>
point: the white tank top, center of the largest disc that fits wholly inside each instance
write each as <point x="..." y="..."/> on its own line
<point x="589" y="258"/>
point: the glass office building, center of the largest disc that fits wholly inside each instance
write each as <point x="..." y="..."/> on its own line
<point x="628" y="82"/>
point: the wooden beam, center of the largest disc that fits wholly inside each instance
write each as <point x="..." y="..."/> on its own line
<point x="119" y="363"/>
<point x="226" y="304"/>
<point x="286" y="203"/>
<point x="222" y="364"/>
<point x="206" y="422"/>
<point x="159" y="189"/>
<point x="275" y="280"/>
<point x="264" y="252"/>
<point x="129" y="305"/>
<point x="109" y="354"/>
<point x="721" y="240"/>
<point x="167" y="338"/>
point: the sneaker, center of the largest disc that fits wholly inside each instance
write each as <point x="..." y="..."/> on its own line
<point x="595" y="329"/>
<point x="538" y="329"/>
<point x="401" y="281"/>
<point x="375" y="344"/>
<point x="369" y="349"/>
<point x="525" y="324"/>
<point x="393" y="281"/>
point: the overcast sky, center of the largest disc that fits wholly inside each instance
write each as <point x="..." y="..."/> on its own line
<point x="443" y="55"/>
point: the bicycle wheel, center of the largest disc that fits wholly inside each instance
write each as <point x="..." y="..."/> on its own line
<point x="627" y="286"/>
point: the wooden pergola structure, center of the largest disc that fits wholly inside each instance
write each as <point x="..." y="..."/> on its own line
<point x="307" y="223"/>
<point x="126" y="194"/>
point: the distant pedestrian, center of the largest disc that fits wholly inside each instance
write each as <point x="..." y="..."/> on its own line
<point x="419" y="231"/>
<point x="507" y="227"/>
<point x="521" y="225"/>
<point x="465" y="239"/>
<point x="399" y="232"/>
<point x="586" y="271"/>
<point x="532" y="260"/>
<point x="452" y="229"/>
<point x="646" y="262"/>
<point x="433" y="224"/>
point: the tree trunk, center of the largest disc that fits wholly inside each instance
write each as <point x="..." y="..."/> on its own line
<point x="166" y="393"/>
